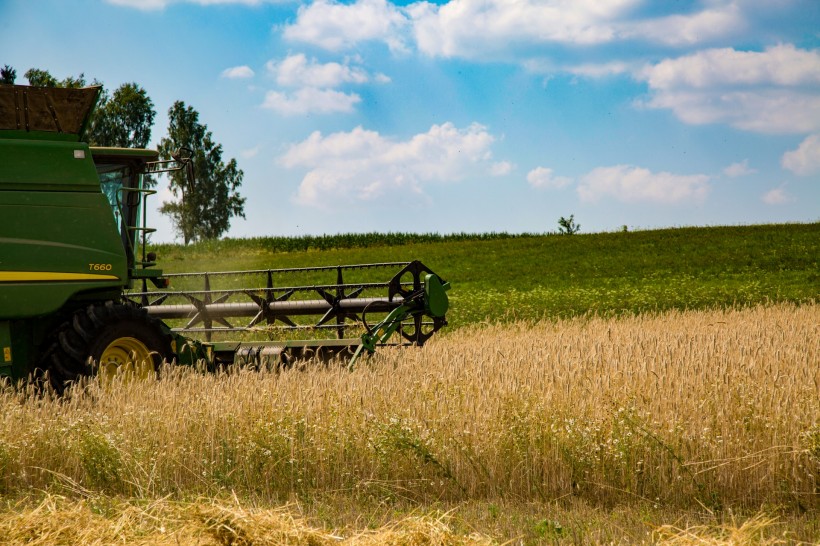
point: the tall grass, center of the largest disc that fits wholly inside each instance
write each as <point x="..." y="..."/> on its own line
<point x="514" y="277"/>
<point x="303" y="243"/>
<point x="685" y="409"/>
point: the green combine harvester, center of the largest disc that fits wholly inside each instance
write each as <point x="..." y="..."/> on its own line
<point x="80" y="294"/>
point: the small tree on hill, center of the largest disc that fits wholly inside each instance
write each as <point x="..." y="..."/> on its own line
<point x="567" y="226"/>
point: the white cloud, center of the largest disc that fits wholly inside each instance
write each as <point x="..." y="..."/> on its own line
<point x="335" y="26"/>
<point x="739" y="169"/>
<point x="501" y="168"/>
<point x="541" y="177"/>
<point x="805" y="160"/>
<point x="364" y="165"/>
<point x="777" y="196"/>
<point x="774" y="91"/>
<point x="630" y="184"/>
<point x="678" y="30"/>
<point x="298" y="71"/>
<point x="311" y="100"/>
<point x="466" y="28"/>
<point x="504" y="28"/>
<point x="599" y="70"/>
<point x="761" y="111"/>
<point x="781" y="65"/>
<point x="237" y="72"/>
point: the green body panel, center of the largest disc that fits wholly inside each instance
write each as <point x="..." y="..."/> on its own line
<point x="54" y="245"/>
<point x="435" y="296"/>
<point x="41" y="165"/>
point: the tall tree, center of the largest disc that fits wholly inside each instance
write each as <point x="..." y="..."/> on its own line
<point x="43" y="78"/>
<point x="40" y="78"/>
<point x="206" y="205"/>
<point x="124" y="120"/>
<point x="8" y="75"/>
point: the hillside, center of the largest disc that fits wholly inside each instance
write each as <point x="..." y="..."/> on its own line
<point x="503" y="277"/>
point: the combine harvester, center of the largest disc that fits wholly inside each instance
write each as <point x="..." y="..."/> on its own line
<point x="80" y="295"/>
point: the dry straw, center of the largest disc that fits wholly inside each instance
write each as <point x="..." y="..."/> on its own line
<point x="755" y="531"/>
<point x="57" y="521"/>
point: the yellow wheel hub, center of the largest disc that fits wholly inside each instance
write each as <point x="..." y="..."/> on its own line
<point x="127" y="357"/>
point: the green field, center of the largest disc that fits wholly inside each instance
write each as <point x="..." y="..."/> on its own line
<point x="512" y="277"/>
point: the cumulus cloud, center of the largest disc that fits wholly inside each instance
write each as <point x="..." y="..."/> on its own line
<point x="783" y="65"/>
<point x="501" y="168"/>
<point x="311" y="100"/>
<point x="632" y="184"/>
<point x="468" y="29"/>
<point x="805" y="160"/>
<point x="238" y="72"/>
<point x="773" y="91"/>
<point x="315" y="81"/>
<point x="599" y="70"/>
<point x="777" y="196"/>
<point x="335" y="26"/>
<point x="541" y="177"/>
<point x="690" y="29"/>
<point x="739" y="169"/>
<point x="364" y="165"/>
<point x="299" y="71"/>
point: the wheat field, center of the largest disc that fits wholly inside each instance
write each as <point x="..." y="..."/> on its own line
<point x="702" y="410"/>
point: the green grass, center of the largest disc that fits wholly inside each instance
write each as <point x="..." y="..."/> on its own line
<point x="500" y="276"/>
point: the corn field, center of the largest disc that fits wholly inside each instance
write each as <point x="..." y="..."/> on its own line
<point x="686" y="409"/>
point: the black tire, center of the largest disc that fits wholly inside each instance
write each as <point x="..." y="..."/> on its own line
<point x="76" y="348"/>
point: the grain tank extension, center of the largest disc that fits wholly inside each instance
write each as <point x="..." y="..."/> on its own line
<point x="79" y="293"/>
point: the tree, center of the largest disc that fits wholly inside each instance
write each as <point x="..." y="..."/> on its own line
<point x="567" y="226"/>
<point x="43" y="78"/>
<point x="205" y="207"/>
<point x="124" y="120"/>
<point x="8" y="75"/>
<point x="40" y="78"/>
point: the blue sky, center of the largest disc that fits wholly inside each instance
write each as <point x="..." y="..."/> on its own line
<point x="490" y="115"/>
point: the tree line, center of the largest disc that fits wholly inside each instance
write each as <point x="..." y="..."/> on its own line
<point x="125" y="118"/>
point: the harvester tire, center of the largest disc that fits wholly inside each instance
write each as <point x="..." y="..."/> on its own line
<point x="102" y="339"/>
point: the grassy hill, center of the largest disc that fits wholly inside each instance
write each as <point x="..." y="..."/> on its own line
<point x="499" y="276"/>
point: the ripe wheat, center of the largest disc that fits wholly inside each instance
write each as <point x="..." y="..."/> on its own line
<point x="685" y="409"/>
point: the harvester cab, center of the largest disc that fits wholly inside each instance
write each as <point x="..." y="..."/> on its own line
<point x="80" y="294"/>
